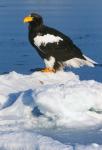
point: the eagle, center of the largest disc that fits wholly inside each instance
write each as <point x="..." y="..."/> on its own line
<point x="55" y="48"/>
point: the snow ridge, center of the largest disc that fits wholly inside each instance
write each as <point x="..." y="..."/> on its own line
<point x="41" y="100"/>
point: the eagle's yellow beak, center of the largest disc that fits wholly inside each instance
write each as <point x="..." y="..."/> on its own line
<point x="28" y="19"/>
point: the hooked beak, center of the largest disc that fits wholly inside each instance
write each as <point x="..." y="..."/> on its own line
<point x="28" y="19"/>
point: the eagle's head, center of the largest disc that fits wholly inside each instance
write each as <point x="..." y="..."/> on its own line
<point x="34" y="19"/>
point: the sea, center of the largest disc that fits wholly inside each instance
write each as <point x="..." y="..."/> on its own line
<point x="81" y="20"/>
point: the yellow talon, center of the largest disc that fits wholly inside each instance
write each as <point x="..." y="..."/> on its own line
<point x="48" y="70"/>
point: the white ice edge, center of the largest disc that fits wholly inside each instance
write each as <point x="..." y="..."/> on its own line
<point x="62" y="98"/>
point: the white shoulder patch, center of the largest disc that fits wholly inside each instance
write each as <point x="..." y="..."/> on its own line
<point x="45" y="39"/>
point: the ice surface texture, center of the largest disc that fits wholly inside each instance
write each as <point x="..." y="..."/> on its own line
<point x="43" y="100"/>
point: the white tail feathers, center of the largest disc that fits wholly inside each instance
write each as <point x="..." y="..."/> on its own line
<point x="90" y="60"/>
<point x="77" y="62"/>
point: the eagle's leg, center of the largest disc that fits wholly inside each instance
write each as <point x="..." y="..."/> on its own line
<point x="48" y="70"/>
<point x="49" y="63"/>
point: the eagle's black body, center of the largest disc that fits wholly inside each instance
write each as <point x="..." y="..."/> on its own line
<point x="65" y="50"/>
<point x="62" y="51"/>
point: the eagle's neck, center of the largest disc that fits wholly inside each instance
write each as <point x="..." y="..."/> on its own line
<point x="33" y="31"/>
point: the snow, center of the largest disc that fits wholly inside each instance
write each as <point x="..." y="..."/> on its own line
<point x="46" y="101"/>
<point x="17" y="141"/>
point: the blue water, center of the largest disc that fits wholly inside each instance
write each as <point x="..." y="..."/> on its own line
<point x="80" y="20"/>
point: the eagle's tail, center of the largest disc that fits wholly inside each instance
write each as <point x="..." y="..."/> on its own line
<point x="78" y="62"/>
<point x="98" y="65"/>
<point x="91" y="63"/>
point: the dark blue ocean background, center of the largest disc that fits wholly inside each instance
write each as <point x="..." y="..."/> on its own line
<point x="81" y="20"/>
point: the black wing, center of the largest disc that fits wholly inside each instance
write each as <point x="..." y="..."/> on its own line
<point x="63" y="50"/>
